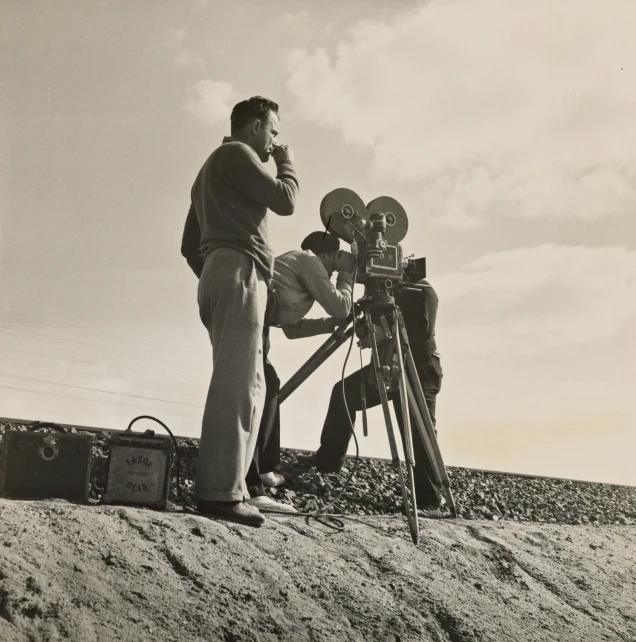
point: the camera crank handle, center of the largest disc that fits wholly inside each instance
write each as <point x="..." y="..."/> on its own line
<point x="385" y="327"/>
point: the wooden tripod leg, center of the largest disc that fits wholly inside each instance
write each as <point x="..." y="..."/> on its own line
<point x="419" y="423"/>
<point x="409" y="453"/>
<point x="314" y="362"/>
<point x="431" y="447"/>
<point x="395" y="459"/>
<point x="406" y="420"/>
<point x="335" y="340"/>
<point x="428" y="433"/>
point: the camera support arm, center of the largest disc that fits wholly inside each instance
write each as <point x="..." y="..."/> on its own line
<point x="335" y="340"/>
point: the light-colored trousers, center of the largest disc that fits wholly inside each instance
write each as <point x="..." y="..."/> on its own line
<point x="232" y="297"/>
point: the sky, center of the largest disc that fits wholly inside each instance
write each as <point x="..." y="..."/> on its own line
<point x="506" y="129"/>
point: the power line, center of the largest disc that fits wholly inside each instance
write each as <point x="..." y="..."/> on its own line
<point x="119" y="337"/>
<point x="66" y="396"/>
<point x="100" y="351"/>
<point x="31" y="364"/>
<point x="94" y="361"/>
<point x="109" y="392"/>
<point x="88" y="343"/>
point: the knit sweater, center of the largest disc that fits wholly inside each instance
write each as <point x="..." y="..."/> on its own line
<point x="229" y="202"/>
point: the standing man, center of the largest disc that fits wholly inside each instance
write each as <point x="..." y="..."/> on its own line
<point x="225" y="242"/>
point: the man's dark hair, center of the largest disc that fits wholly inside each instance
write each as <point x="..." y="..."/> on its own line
<point x="251" y="109"/>
<point x="321" y="243"/>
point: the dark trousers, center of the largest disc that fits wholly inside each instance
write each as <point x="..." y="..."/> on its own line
<point x="336" y="432"/>
<point x="266" y="457"/>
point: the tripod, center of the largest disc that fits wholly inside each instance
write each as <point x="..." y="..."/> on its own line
<point x="401" y="375"/>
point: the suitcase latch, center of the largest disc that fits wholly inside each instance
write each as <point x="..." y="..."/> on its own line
<point x="49" y="448"/>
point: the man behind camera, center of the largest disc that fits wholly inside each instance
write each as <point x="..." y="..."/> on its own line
<point x="419" y="309"/>
<point x="225" y="242"/>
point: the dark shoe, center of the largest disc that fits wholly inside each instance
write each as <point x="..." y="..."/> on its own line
<point x="318" y="464"/>
<point x="232" y="511"/>
<point x="428" y="503"/>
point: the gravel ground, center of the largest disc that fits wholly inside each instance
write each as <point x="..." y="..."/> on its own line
<point x="374" y="490"/>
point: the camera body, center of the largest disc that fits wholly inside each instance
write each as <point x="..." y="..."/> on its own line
<point x="375" y="256"/>
<point x="374" y="232"/>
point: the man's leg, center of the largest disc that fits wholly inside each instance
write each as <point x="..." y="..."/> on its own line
<point x="336" y="431"/>
<point x="267" y="452"/>
<point x="269" y="442"/>
<point x="232" y="297"/>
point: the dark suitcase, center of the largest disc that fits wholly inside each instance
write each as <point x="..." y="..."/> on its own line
<point x="37" y="465"/>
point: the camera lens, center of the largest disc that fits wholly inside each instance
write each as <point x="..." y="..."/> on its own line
<point x="347" y="211"/>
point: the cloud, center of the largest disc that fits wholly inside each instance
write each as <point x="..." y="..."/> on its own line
<point x="525" y="300"/>
<point x="186" y="58"/>
<point x="175" y="36"/>
<point x="189" y="60"/>
<point x="293" y="19"/>
<point x="211" y="101"/>
<point x="497" y="108"/>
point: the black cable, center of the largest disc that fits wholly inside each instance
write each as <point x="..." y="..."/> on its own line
<point x="321" y="512"/>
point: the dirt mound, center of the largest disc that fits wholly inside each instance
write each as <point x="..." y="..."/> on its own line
<point x="109" y="573"/>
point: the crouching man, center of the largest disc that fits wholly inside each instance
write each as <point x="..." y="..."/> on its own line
<point x="419" y="309"/>
<point x="301" y="277"/>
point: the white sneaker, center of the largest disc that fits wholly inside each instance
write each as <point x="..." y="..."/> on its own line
<point x="265" y="504"/>
<point x="272" y="479"/>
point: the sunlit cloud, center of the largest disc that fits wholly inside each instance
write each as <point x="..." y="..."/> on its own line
<point x="526" y="300"/>
<point x="189" y="60"/>
<point x="211" y="101"/>
<point x="175" y="36"/>
<point x="295" y="18"/>
<point x="497" y="108"/>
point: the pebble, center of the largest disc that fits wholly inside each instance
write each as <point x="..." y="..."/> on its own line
<point x="477" y="494"/>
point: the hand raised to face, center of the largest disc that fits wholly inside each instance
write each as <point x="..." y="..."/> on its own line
<point x="282" y="153"/>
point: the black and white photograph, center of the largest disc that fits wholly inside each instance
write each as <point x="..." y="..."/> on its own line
<point x="317" y="321"/>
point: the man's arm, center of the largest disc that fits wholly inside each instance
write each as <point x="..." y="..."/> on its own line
<point x="311" y="327"/>
<point x="336" y="301"/>
<point x="252" y="179"/>
<point x="190" y="243"/>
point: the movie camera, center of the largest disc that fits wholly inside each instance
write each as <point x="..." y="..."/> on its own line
<point x="374" y="232"/>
